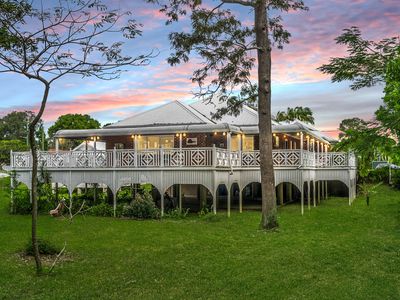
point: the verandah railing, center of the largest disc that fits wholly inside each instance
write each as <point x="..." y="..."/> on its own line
<point x="188" y="157"/>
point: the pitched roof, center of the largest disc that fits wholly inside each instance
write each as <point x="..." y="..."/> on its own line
<point x="172" y="113"/>
<point x="247" y="116"/>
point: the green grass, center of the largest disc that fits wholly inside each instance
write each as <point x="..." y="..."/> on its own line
<point x="334" y="251"/>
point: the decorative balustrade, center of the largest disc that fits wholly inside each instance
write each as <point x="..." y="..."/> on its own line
<point x="174" y="158"/>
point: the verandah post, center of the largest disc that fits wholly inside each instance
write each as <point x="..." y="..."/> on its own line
<point x="214" y="156"/>
<point x="308" y="195"/>
<point x="301" y="148"/>
<point x="302" y="197"/>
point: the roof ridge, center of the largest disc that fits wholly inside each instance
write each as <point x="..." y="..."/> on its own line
<point x="211" y="120"/>
<point x="190" y="109"/>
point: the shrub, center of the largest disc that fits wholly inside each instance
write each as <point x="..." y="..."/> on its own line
<point x="45" y="248"/>
<point x="142" y="207"/>
<point x="125" y="195"/>
<point x="22" y="204"/>
<point x="102" y="210"/>
<point x="177" y="213"/>
<point x="204" y="211"/>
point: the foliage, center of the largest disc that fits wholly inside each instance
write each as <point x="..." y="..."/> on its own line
<point x="177" y="214"/>
<point x="101" y="210"/>
<point x="365" y="66"/>
<point x="303" y="114"/>
<point x="21" y="204"/>
<point x="47" y="43"/>
<point x="380" y="137"/>
<point x="192" y="256"/>
<point x="14" y="11"/>
<point x="367" y="190"/>
<point x="73" y="121"/>
<point x="124" y="195"/>
<point x="14" y="126"/>
<point x="204" y="211"/>
<point x="226" y="46"/>
<point x="362" y="138"/>
<point x="7" y="145"/>
<point x="388" y="114"/>
<point x="142" y="207"/>
<point x="45" y="248"/>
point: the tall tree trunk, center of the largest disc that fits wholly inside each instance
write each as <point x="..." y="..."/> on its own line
<point x="269" y="217"/>
<point x="34" y="195"/>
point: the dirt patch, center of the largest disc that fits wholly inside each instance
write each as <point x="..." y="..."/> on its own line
<point x="47" y="260"/>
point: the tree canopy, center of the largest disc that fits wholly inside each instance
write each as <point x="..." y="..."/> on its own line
<point x="369" y="63"/>
<point x="303" y="114"/>
<point x="365" y="65"/>
<point x="14" y="126"/>
<point x="73" y="121"/>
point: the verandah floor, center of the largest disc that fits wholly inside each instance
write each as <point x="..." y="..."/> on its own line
<point x="334" y="251"/>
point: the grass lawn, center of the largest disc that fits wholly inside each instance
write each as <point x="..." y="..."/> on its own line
<point x="334" y="251"/>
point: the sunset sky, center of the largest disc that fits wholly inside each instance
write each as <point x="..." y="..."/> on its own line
<point x="296" y="82"/>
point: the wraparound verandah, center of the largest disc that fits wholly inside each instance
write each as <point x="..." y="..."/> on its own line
<point x="311" y="183"/>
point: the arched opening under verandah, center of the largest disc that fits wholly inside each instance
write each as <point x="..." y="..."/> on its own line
<point x="251" y="196"/>
<point x="336" y="188"/>
<point x="191" y="197"/>
<point x="286" y="193"/>
<point x="221" y="197"/>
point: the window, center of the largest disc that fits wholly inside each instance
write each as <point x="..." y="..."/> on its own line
<point x="119" y="146"/>
<point x="277" y="141"/>
<point x="235" y="142"/>
<point x="248" y="143"/>
<point x="155" y="142"/>
<point x="167" y="141"/>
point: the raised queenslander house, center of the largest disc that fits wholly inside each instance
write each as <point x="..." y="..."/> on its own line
<point x="194" y="161"/>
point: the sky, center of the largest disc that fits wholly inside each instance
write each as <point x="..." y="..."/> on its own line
<point x="295" y="80"/>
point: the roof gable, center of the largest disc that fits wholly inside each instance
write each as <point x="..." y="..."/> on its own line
<point x="172" y="113"/>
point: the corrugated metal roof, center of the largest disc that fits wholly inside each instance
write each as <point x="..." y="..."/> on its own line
<point x="247" y="117"/>
<point x="172" y="113"/>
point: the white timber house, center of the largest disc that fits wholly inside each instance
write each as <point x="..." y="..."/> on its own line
<point x="188" y="156"/>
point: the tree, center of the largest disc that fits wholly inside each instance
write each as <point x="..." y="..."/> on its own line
<point x="363" y="138"/>
<point x="14" y="11"/>
<point x="370" y="63"/>
<point x="49" y="43"/>
<point x="14" y="126"/>
<point x="73" y="121"/>
<point x="365" y="66"/>
<point x="304" y="114"/>
<point x="6" y="146"/>
<point x="388" y="114"/>
<point x="227" y="48"/>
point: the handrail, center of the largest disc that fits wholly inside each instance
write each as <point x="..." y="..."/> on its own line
<point x="184" y="157"/>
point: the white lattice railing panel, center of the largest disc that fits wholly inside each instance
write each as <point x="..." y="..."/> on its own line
<point x="250" y="158"/>
<point x="21" y="160"/>
<point x="286" y="158"/>
<point x="189" y="157"/>
<point x="125" y="158"/>
<point x="148" y="158"/>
